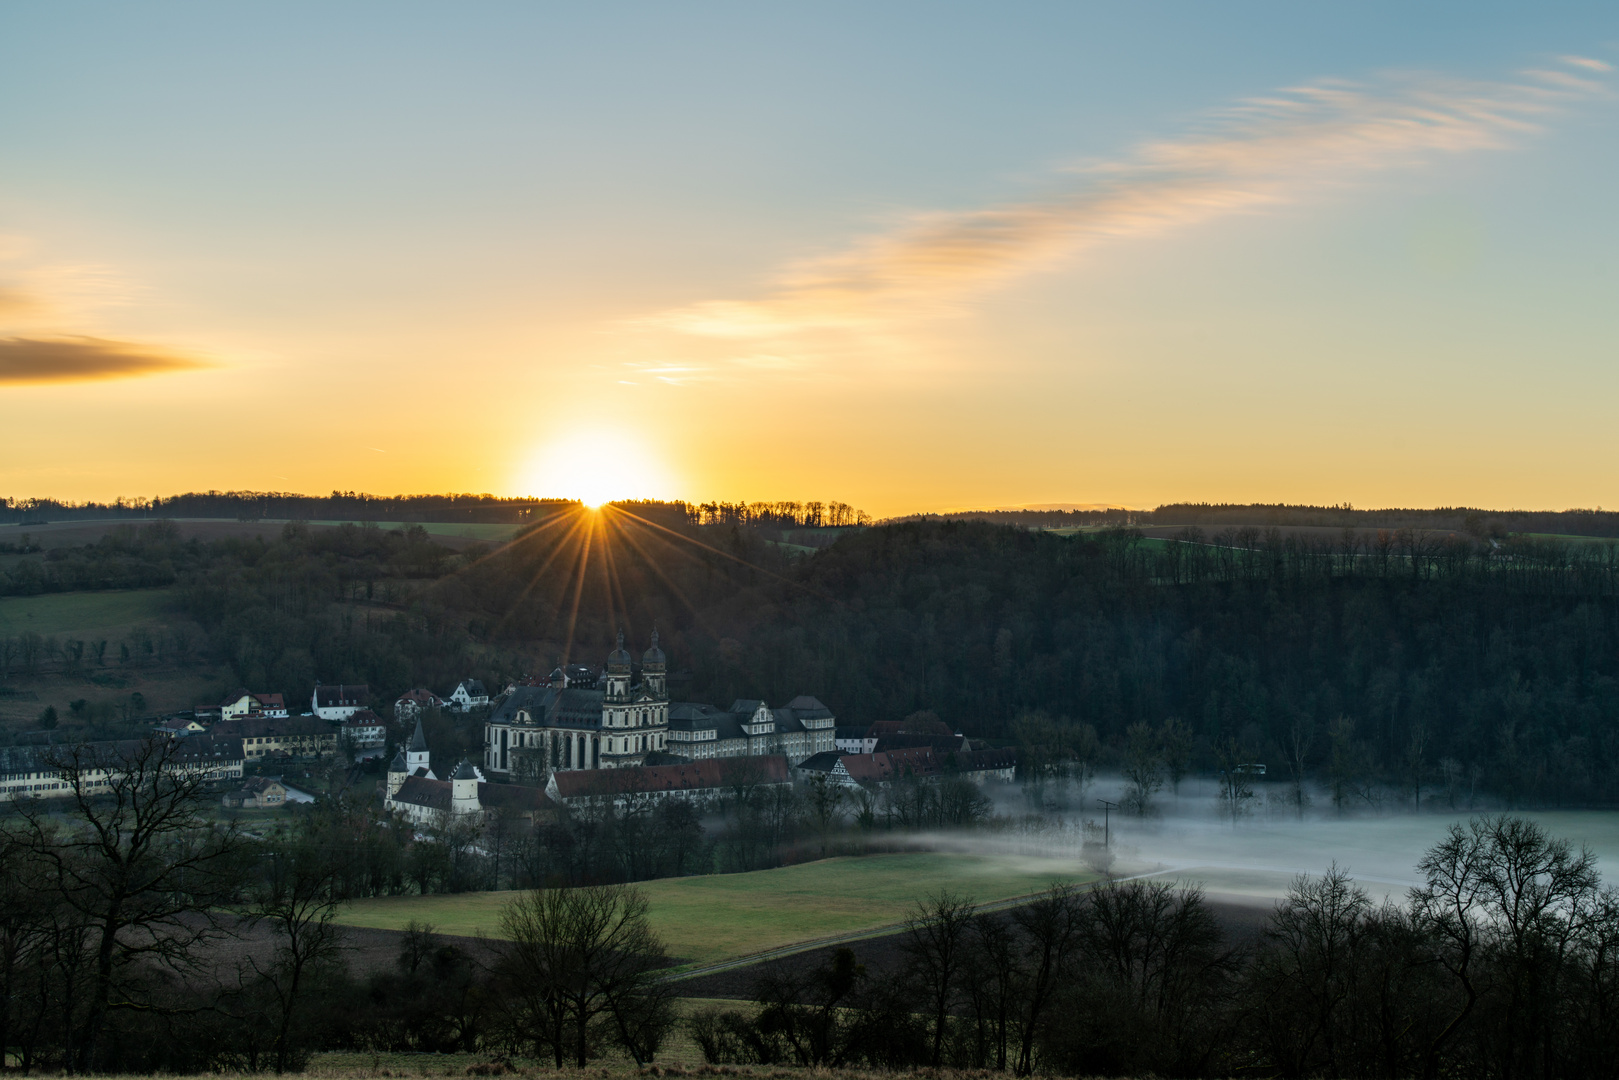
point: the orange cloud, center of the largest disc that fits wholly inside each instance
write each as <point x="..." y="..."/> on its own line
<point x="1265" y="152"/>
<point x="84" y="359"/>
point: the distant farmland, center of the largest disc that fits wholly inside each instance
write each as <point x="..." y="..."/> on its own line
<point x="714" y="917"/>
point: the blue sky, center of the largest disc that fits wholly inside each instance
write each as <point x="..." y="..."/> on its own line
<point x="491" y="247"/>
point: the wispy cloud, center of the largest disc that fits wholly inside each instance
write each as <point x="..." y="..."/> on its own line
<point x="1263" y="153"/>
<point x="84" y="359"/>
<point x="41" y="301"/>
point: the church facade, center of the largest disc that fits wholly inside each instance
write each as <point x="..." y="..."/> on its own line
<point x="541" y="730"/>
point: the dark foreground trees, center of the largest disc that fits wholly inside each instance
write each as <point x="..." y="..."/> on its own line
<point x="120" y="889"/>
<point x="1504" y="963"/>
<point x="581" y="969"/>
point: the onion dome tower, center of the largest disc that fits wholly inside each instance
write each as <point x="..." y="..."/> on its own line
<point x="652" y="669"/>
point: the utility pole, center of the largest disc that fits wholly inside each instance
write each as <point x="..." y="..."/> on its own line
<point x="1107" y="827"/>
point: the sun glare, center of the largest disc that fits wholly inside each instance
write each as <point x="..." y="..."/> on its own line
<point x="597" y="467"/>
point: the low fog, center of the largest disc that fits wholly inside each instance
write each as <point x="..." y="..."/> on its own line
<point x="1192" y="837"/>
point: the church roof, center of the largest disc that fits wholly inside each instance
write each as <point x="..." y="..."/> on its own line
<point x="420" y="791"/>
<point x="532" y="698"/>
<point x="418" y="741"/>
<point x="464" y="771"/>
<point x="398" y="764"/>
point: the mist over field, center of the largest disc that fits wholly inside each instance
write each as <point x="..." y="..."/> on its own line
<point x="1192" y="839"/>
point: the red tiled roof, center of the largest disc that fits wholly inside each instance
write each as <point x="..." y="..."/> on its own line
<point x="875" y="768"/>
<point x="692" y="776"/>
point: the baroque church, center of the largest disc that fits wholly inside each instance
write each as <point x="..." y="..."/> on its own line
<point x="540" y="730"/>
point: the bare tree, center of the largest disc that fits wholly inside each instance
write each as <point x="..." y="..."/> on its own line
<point x="297" y="893"/>
<point x="824" y="800"/>
<point x="136" y="859"/>
<point x="1052" y="927"/>
<point x="1143" y="769"/>
<point x="1300" y="736"/>
<point x="1175" y="739"/>
<point x="580" y="967"/>
<point x="937" y="940"/>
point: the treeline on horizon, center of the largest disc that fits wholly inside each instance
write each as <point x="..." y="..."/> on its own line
<point x="1472" y="521"/>
<point x="1388" y="669"/>
<point x="492" y="509"/>
<point x="446" y="509"/>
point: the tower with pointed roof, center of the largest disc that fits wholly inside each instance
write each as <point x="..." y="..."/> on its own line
<point x="416" y="755"/>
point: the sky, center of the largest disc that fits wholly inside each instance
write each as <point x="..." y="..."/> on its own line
<point x="910" y="256"/>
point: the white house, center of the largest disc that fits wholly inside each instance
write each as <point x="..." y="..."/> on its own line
<point x="341" y="701"/>
<point x="468" y="694"/>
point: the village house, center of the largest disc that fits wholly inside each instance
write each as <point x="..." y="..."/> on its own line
<point x="365" y="730"/>
<point x="297" y="736"/>
<point x="341" y="701"/>
<point x="243" y="704"/>
<point x="412" y="703"/>
<point x="259" y="793"/>
<point x="178" y="727"/>
<point x="468" y="694"/>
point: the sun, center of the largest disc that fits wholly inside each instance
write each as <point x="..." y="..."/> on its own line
<point x="597" y="467"/>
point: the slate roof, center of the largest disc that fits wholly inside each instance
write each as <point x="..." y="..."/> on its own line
<point x="210" y="748"/>
<point x="420" y="791"/>
<point x="363" y="718"/>
<point x="327" y="697"/>
<point x="286" y="727"/>
<point x="464" y="771"/>
<point x="532" y="698"/>
<point x="981" y="760"/>
<point x="695" y="776"/>
<point x="418" y="741"/>
<point x="806" y="705"/>
<point x="825" y="761"/>
<point x="513" y="797"/>
<point x="203" y="749"/>
<point x="474" y="688"/>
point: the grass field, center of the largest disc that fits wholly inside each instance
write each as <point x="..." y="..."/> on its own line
<point x="716" y="916"/>
<point x="81" y="614"/>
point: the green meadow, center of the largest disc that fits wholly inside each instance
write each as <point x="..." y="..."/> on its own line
<point x="81" y="614"/>
<point x="713" y="917"/>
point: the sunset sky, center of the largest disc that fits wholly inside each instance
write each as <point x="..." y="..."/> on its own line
<point x="909" y="256"/>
